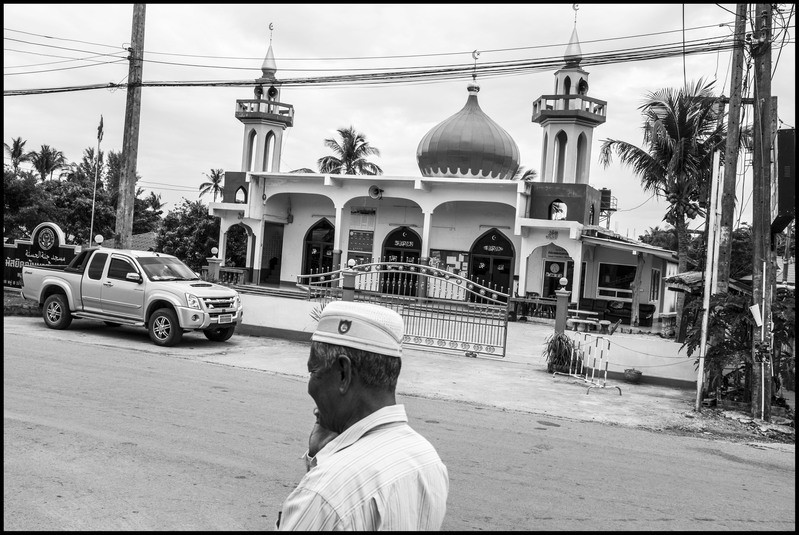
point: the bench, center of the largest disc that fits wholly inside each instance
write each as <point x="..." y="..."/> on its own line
<point x="583" y="325"/>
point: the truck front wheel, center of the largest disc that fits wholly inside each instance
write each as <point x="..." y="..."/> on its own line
<point x="219" y="334"/>
<point x="56" y="312"/>
<point x="164" y="328"/>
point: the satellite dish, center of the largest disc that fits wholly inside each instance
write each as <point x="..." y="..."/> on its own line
<point x="272" y="92"/>
<point x="375" y="192"/>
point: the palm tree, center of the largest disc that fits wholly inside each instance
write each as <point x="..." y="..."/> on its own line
<point x="524" y="174"/>
<point x="47" y="160"/>
<point x="17" y="153"/>
<point x="681" y="133"/>
<point x="350" y="155"/>
<point x="214" y="184"/>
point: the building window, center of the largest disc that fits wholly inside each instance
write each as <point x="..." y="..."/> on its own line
<point x="557" y="210"/>
<point x="615" y="281"/>
<point x="654" y="287"/>
<point x="241" y="195"/>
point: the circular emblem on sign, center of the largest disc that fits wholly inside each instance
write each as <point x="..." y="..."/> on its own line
<point x="46" y="239"/>
<point x="554" y="268"/>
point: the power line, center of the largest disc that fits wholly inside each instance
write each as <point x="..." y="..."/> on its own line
<point x="452" y="72"/>
<point x="359" y="58"/>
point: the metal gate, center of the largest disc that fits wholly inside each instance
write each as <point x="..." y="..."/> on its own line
<point x="440" y="309"/>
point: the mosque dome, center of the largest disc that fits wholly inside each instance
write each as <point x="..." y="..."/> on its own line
<point x="468" y="145"/>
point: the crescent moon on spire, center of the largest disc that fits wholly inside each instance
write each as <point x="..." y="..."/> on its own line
<point x="271" y="26"/>
<point x="576" y="7"/>
<point x="475" y="54"/>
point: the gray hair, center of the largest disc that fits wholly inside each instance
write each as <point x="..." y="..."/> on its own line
<point x="375" y="370"/>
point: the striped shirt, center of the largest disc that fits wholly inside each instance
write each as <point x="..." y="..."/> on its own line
<point x="379" y="474"/>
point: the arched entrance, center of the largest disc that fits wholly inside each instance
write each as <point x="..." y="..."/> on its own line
<point x="401" y="245"/>
<point x="318" y="248"/>
<point x="492" y="261"/>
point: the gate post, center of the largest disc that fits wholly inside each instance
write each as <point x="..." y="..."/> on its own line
<point x="421" y="281"/>
<point x="562" y="306"/>
<point x="348" y="284"/>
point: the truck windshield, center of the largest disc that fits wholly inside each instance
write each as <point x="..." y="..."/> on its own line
<point x="160" y="268"/>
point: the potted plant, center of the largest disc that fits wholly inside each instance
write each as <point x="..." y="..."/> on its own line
<point x="558" y="349"/>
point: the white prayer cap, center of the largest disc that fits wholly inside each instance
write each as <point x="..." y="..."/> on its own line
<point x="363" y="326"/>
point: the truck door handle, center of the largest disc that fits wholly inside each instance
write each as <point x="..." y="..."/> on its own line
<point x="108" y="283"/>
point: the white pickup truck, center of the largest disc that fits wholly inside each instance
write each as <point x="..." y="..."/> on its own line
<point x="125" y="287"/>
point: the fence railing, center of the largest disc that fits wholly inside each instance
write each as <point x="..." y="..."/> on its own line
<point x="440" y="309"/>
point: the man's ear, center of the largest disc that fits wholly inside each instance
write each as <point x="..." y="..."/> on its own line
<point x="345" y="373"/>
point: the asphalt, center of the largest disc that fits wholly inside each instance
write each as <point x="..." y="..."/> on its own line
<point x="517" y="382"/>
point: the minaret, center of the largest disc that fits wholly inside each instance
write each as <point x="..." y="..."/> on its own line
<point x="265" y="118"/>
<point x="568" y="117"/>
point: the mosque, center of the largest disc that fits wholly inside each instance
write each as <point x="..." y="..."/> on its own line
<point x="466" y="212"/>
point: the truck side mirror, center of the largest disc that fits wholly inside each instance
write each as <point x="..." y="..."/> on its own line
<point x="133" y="277"/>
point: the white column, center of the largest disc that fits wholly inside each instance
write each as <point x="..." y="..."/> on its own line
<point x="428" y="221"/>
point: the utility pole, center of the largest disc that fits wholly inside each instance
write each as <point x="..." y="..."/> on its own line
<point x="130" y="143"/>
<point x="731" y="154"/>
<point x="763" y="268"/>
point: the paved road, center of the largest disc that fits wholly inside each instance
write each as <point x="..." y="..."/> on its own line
<point x="102" y="430"/>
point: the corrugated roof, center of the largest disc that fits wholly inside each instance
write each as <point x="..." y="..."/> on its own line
<point x="143" y="242"/>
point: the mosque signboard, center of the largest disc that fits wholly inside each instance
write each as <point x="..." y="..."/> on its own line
<point x="45" y="248"/>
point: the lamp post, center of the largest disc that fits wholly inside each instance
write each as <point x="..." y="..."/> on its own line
<point x="562" y="305"/>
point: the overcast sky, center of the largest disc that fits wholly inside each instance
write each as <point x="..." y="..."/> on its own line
<point x="187" y="131"/>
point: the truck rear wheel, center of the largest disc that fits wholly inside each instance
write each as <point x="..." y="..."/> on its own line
<point x="164" y="328"/>
<point x="219" y="334"/>
<point x="56" y="312"/>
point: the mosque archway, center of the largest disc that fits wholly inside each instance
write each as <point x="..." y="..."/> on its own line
<point x="401" y="245"/>
<point x="318" y="248"/>
<point x="492" y="260"/>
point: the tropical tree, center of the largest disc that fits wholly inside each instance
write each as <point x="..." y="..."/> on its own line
<point x="189" y="233"/>
<point x="524" y="174"/>
<point x="47" y="160"/>
<point x="350" y="156"/>
<point x="658" y="237"/>
<point x="16" y="151"/>
<point x="214" y="184"/>
<point x="681" y="133"/>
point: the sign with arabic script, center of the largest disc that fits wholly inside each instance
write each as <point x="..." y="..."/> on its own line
<point x="45" y="248"/>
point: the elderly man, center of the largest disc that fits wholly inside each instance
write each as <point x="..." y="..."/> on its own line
<point x="367" y="469"/>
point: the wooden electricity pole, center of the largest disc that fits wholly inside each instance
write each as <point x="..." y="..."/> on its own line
<point x="130" y="142"/>
<point x="731" y="154"/>
<point x="763" y="268"/>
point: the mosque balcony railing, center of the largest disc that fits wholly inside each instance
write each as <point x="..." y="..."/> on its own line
<point x="265" y="109"/>
<point x="549" y="106"/>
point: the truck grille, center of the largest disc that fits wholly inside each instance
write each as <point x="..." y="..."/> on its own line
<point x="217" y="303"/>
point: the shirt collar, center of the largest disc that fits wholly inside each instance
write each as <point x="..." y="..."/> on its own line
<point x="386" y="415"/>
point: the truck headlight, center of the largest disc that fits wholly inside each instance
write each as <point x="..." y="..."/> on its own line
<point x="192" y="301"/>
<point x="237" y="301"/>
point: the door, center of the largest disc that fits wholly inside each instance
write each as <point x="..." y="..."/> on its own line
<point x="91" y="287"/>
<point x="272" y="253"/>
<point x="122" y="297"/>
<point x="492" y="261"/>
<point x="402" y="245"/>
<point x="318" y="248"/>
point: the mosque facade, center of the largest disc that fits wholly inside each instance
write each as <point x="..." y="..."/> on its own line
<point x="467" y="212"/>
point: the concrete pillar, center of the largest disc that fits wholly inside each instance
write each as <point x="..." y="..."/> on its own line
<point x="561" y="309"/>
<point x="213" y="267"/>
<point x="348" y="284"/>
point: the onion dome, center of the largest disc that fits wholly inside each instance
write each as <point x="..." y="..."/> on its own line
<point x="468" y="145"/>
